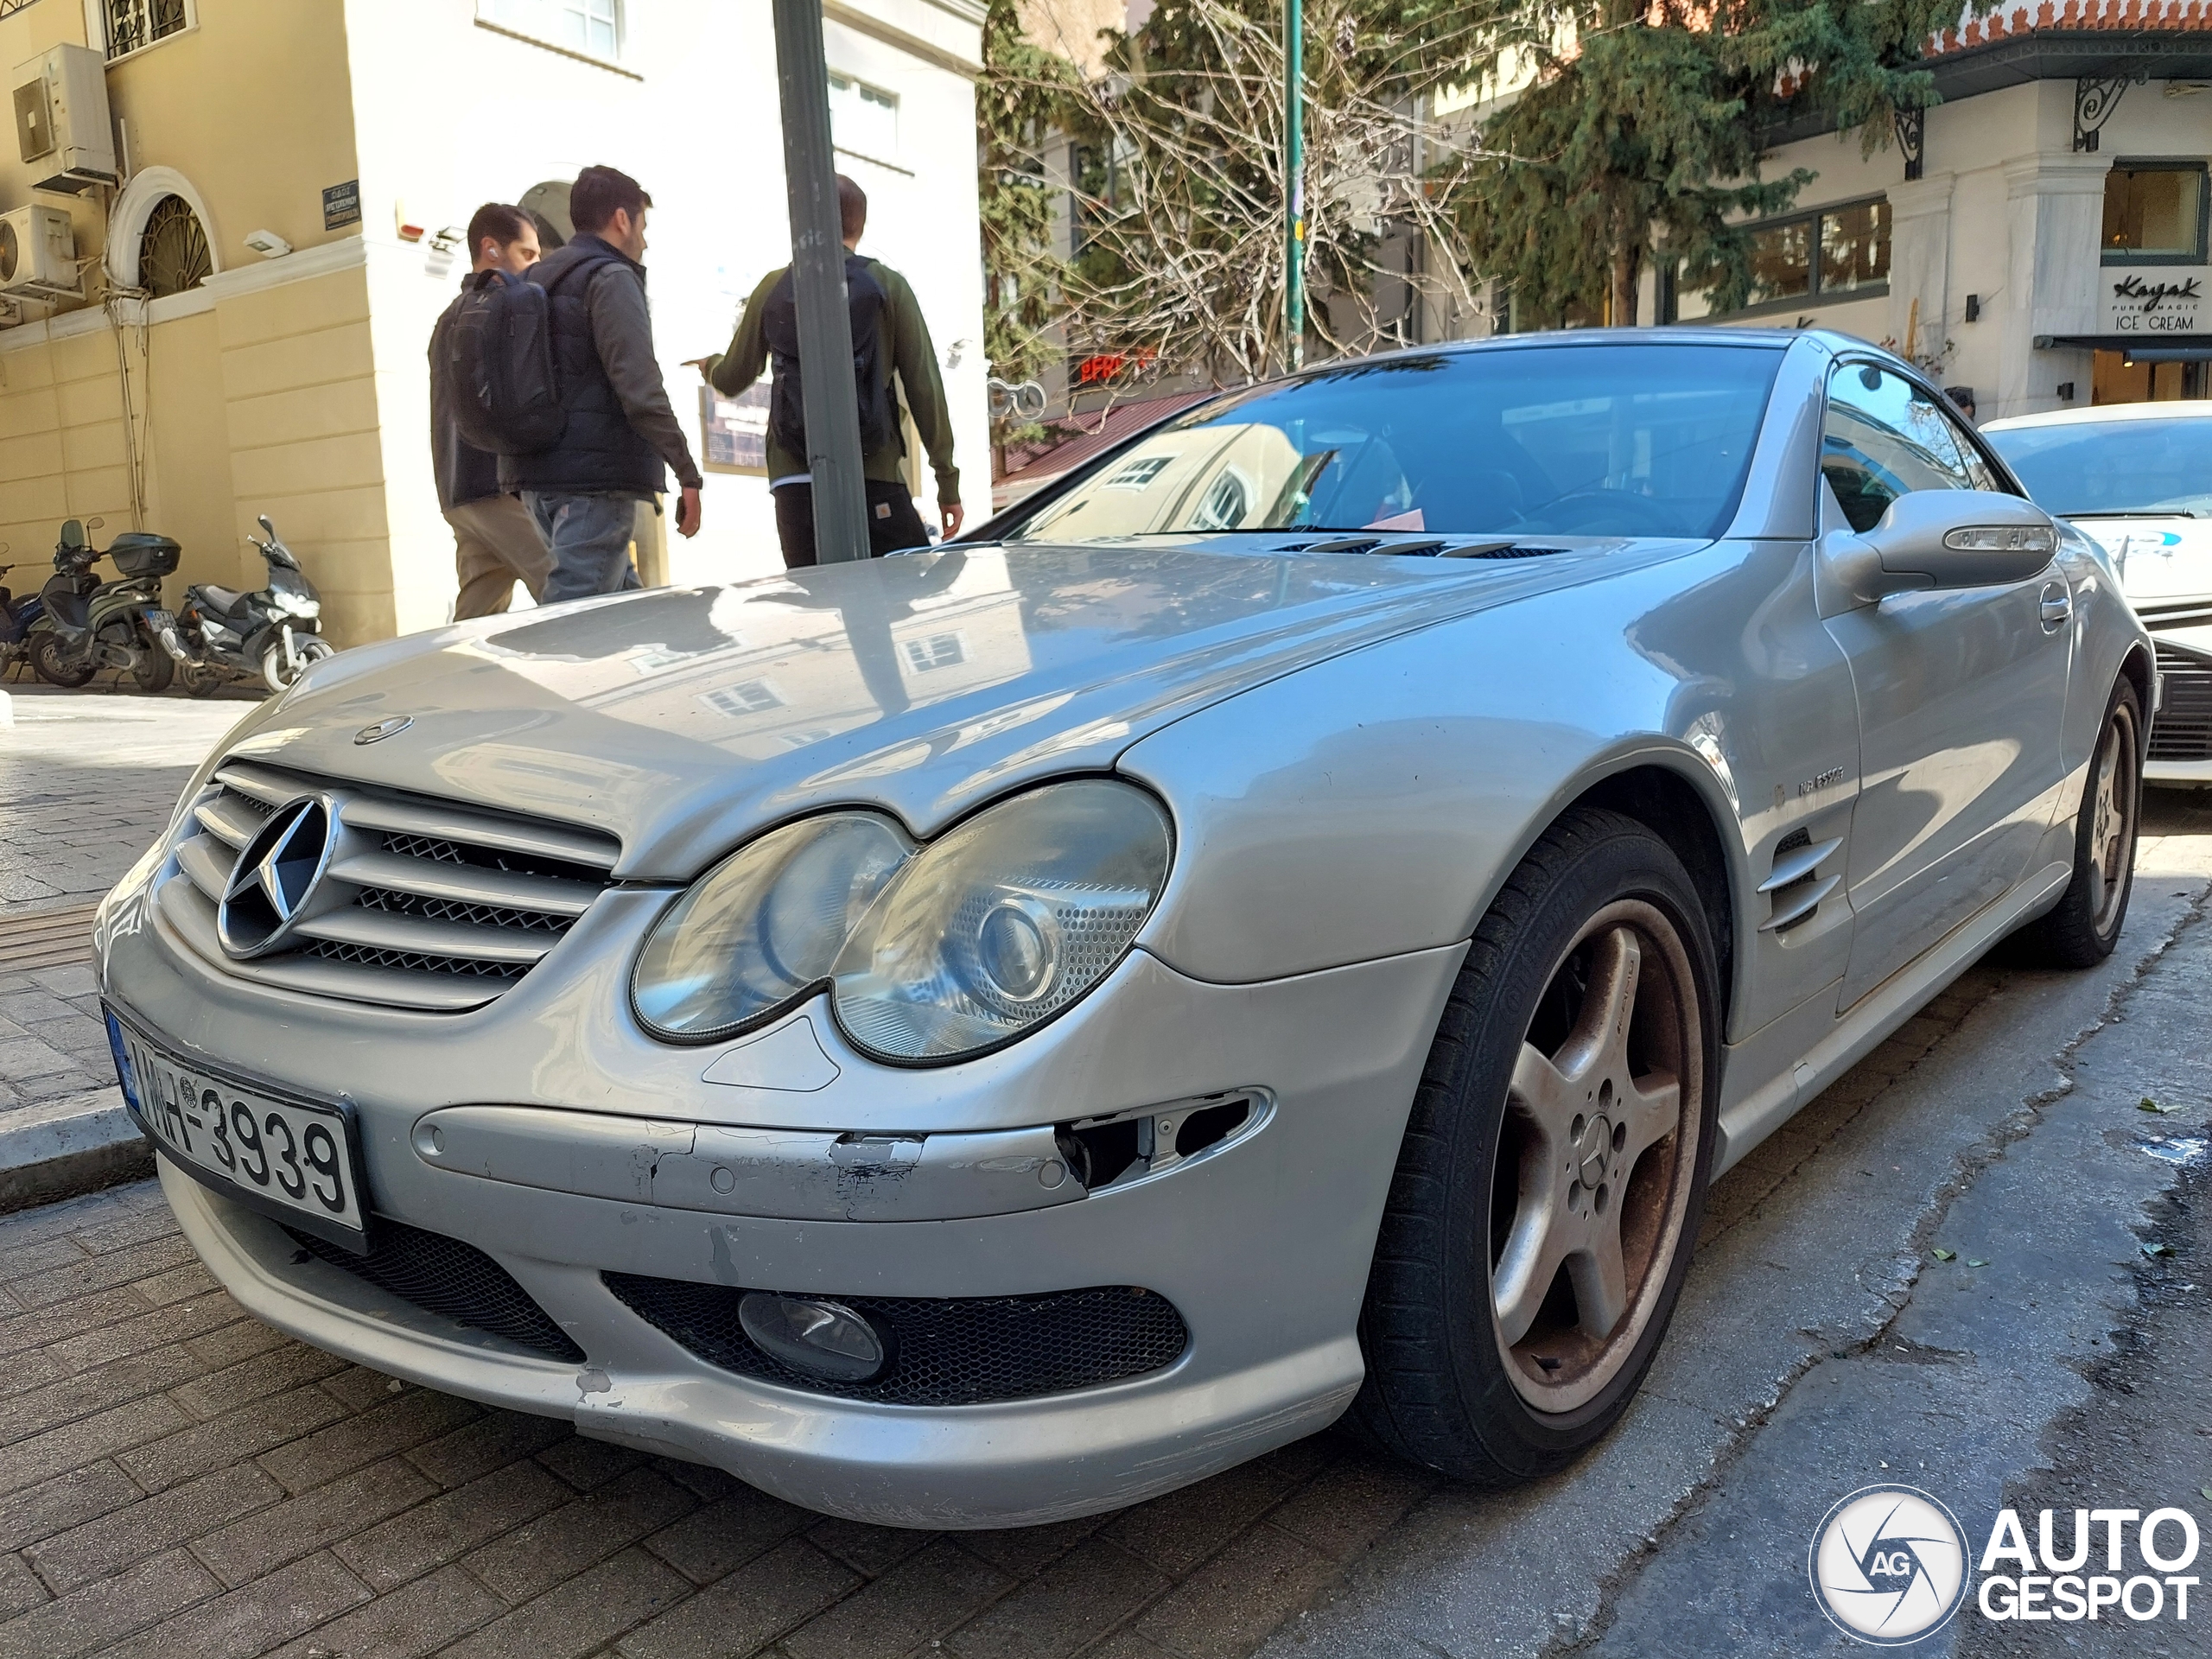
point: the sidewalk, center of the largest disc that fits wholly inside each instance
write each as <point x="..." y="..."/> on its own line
<point x="87" y="780"/>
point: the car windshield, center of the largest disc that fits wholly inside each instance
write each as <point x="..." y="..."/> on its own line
<point x="1563" y="440"/>
<point x="2081" y="470"/>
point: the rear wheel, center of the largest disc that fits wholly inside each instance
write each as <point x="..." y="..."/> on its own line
<point x="1548" y="1190"/>
<point x="53" y="662"/>
<point x="198" y="679"/>
<point x="2084" y="927"/>
<point x="152" y="669"/>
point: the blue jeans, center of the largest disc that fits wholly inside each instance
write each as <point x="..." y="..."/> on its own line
<point x="589" y="536"/>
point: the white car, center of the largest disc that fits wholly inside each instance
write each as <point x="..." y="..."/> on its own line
<point x="2138" y="477"/>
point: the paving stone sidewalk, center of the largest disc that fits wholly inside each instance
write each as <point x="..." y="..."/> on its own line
<point x="177" y="1480"/>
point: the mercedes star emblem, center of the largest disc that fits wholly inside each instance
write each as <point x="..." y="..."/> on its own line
<point x="275" y="877"/>
<point x="384" y="728"/>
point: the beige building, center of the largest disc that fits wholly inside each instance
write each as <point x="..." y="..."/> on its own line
<point x="234" y="320"/>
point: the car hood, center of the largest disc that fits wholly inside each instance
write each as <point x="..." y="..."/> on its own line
<point x="682" y="721"/>
<point x="2160" y="560"/>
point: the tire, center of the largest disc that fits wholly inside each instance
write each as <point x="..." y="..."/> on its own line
<point x="152" y="669"/>
<point x="199" y="680"/>
<point x="51" y="661"/>
<point x="278" y="675"/>
<point x="2084" y="927"/>
<point x="1478" y="1204"/>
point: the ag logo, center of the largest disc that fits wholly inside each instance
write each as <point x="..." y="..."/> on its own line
<point x="1889" y="1566"/>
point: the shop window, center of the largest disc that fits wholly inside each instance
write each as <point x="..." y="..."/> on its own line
<point x="2154" y="213"/>
<point x="863" y="119"/>
<point x="131" y="25"/>
<point x="1838" y="253"/>
<point x="172" y="256"/>
<point x="593" y="27"/>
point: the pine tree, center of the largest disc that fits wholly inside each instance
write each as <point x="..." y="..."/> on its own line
<point x="1640" y="137"/>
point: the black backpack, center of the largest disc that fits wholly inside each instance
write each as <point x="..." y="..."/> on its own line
<point x="779" y="328"/>
<point x="499" y="363"/>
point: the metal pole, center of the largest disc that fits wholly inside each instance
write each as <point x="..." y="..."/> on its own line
<point x="829" y="400"/>
<point x="1293" y="166"/>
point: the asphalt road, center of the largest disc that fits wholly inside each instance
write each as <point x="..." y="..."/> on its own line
<point x="175" y="1480"/>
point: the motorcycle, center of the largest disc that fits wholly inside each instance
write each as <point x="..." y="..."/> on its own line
<point x="90" y="624"/>
<point x="221" y="634"/>
<point x="16" y="617"/>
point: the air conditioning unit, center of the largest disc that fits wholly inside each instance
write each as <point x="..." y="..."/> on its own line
<point x="62" y="120"/>
<point x="38" y="254"/>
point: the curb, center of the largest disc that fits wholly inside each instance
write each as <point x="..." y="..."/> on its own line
<point x="61" y="1148"/>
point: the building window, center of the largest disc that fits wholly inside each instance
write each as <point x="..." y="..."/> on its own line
<point x="938" y="651"/>
<point x="1838" y="253"/>
<point x="173" y="256"/>
<point x="133" y="24"/>
<point x="750" y="697"/>
<point x="863" y="119"/>
<point x="593" y="27"/>
<point x="2154" y="213"/>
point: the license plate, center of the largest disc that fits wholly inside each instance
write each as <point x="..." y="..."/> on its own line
<point x="287" y="1157"/>
<point x="156" y="620"/>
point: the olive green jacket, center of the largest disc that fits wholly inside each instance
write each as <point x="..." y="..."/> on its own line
<point x="907" y="352"/>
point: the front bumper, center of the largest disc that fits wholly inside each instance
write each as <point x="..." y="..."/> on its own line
<point x="1262" y="1244"/>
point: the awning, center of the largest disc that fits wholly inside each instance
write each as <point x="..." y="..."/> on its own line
<point x="2183" y="348"/>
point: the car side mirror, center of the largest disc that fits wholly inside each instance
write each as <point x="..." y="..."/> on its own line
<point x="1945" y="538"/>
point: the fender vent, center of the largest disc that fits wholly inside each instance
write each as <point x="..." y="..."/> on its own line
<point x="1795" y="887"/>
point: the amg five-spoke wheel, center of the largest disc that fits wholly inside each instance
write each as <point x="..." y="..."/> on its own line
<point x="1548" y="1192"/>
<point x="2081" y="930"/>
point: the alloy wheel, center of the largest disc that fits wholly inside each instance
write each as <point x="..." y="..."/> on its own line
<point x="2117" y="797"/>
<point x="1595" y="1175"/>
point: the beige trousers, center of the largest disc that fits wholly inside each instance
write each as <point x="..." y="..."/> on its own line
<point x="496" y="544"/>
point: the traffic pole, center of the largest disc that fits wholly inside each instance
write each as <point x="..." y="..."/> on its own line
<point x="1293" y="166"/>
<point x="829" y="400"/>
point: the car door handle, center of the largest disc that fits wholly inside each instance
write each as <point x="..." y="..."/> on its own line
<point x="2058" y="605"/>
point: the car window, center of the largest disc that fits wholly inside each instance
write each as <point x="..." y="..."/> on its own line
<point x="1567" y="440"/>
<point x="1885" y="437"/>
<point x="2085" y="468"/>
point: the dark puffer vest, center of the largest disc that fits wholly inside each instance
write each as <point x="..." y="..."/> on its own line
<point x="599" y="452"/>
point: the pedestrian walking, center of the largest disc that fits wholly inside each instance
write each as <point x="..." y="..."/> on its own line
<point x="889" y="337"/>
<point x="620" y="438"/>
<point x="496" y="542"/>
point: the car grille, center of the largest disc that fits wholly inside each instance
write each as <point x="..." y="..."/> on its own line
<point x="2183" y="730"/>
<point x="955" y="1351"/>
<point x="447" y="906"/>
<point x="454" y="1280"/>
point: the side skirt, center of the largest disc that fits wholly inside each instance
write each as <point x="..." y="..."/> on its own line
<point x="1878" y="1013"/>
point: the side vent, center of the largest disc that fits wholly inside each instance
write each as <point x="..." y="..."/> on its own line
<point x="1795" y="887"/>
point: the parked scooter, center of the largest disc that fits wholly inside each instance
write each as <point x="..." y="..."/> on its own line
<point x="17" y="616"/>
<point x="221" y="634"/>
<point x="90" y="624"/>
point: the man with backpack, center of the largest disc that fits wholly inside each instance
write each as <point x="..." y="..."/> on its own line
<point x="571" y="394"/>
<point x="888" y="337"/>
<point x="496" y="543"/>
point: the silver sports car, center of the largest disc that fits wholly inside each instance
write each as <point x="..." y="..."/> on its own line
<point x="1283" y="928"/>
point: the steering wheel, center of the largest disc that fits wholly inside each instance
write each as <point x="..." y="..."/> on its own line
<point x="1582" y="513"/>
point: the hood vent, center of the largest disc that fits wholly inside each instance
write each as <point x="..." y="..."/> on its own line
<point x="1436" y="547"/>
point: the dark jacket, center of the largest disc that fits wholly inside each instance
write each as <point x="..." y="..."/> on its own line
<point x="621" y="434"/>
<point x="907" y="352"/>
<point x="464" y="473"/>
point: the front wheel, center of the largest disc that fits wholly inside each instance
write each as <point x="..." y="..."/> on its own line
<point x="1549" y="1186"/>
<point x="2082" y="930"/>
<point x="53" y="662"/>
<point x="199" y="679"/>
<point x="278" y="674"/>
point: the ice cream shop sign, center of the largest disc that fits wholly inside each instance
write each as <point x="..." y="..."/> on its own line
<point x="2152" y="302"/>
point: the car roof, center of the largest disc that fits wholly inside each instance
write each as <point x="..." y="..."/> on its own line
<point x="2172" y="409"/>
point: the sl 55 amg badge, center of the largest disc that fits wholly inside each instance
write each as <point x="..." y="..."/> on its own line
<point x="1833" y="775"/>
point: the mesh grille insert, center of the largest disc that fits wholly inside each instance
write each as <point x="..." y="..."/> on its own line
<point x="952" y="1351"/>
<point x="416" y="962"/>
<point x="456" y="1281"/>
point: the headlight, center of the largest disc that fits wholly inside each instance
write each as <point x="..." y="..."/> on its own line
<point x="764" y="926"/>
<point x="297" y="605"/>
<point x="990" y="929"/>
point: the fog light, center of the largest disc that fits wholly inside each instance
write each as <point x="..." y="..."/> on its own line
<point x="816" y="1338"/>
